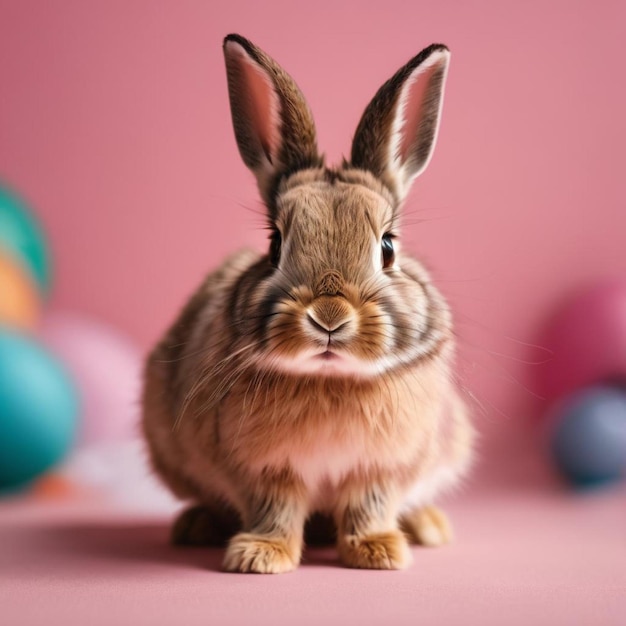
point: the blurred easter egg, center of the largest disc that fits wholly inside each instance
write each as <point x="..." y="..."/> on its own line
<point x="107" y="368"/>
<point x="21" y="235"/>
<point x="19" y="299"/>
<point x="588" y="442"/>
<point x="586" y="339"/>
<point x="53" y="486"/>
<point x="38" y="410"/>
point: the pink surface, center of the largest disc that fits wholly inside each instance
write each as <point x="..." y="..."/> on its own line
<point x="522" y="557"/>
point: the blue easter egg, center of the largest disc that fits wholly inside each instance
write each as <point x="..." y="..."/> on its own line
<point x="589" y="441"/>
<point x="38" y="410"/>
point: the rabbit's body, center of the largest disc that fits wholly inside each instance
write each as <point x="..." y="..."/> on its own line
<point x="313" y="379"/>
<point x="244" y="422"/>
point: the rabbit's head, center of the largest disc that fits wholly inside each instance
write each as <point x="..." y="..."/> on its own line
<point x="334" y="295"/>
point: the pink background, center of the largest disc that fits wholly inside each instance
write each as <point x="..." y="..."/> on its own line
<point x="114" y="124"/>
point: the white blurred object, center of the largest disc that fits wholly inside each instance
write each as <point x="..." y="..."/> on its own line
<point x="120" y="472"/>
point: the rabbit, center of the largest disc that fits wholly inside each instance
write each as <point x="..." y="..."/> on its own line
<point x="313" y="381"/>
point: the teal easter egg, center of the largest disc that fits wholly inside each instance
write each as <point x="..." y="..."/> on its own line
<point x="38" y="410"/>
<point x="22" y="236"/>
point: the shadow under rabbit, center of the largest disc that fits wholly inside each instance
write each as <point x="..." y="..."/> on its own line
<point x="62" y="549"/>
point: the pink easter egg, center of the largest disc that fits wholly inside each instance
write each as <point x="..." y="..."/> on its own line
<point x="587" y="341"/>
<point x="106" y="366"/>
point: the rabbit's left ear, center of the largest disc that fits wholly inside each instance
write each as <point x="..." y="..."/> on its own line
<point x="396" y="135"/>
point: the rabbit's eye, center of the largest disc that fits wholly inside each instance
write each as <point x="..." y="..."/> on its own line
<point x="389" y="254"/>
<point x="275" y="245"/>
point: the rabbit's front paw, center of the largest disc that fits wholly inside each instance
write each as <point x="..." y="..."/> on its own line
<point x="260" y="554"/>
<point x="388" y="550"/>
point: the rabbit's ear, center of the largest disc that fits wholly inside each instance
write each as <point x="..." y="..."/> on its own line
<point x="397" y="133"/>
<point x="273" y="124"/>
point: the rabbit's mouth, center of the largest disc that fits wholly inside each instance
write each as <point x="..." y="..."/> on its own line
<point x="328" y="355"/>
<point x="327" y="362"/>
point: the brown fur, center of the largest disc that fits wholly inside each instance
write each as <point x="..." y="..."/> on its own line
<point x="320" y="388"/>
<point x="298" y="146"/>
<point x="427" y="526"/>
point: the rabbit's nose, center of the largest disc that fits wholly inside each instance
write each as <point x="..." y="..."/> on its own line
<point x="330" y="314"/>
<point x="330" y="284"/>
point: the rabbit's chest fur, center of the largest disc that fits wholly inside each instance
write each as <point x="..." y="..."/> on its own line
<point x="325" y="430"/>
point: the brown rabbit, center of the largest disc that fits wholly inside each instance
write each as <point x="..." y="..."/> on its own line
<point x="314" y="379"/>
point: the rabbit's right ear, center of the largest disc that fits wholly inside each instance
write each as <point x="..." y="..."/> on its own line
<point x="273" y="124"/>
<point x="397" y="133"/>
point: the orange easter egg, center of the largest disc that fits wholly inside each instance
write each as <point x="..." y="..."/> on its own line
<point x="53" y="487"/>
<point x="19" y="299"/>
